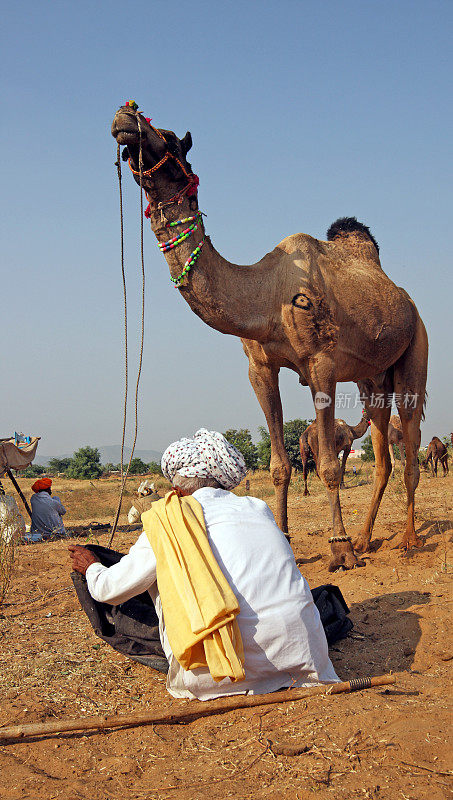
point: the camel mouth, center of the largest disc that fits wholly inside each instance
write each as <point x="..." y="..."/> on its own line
<point x="124" y="128"/>
<point x="126" y="137"/>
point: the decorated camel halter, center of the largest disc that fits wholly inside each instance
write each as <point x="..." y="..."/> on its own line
<point x="189" y="190"/>
<point x="164" y="247"/>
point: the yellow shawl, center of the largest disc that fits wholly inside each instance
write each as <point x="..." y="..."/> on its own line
<point x="199" y="607"/>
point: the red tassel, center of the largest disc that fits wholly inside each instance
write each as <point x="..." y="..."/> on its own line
<point x="147" y="211"/>
<point x="194" y="184"/>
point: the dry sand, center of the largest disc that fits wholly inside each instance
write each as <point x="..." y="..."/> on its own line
<point x="382" y="744"/>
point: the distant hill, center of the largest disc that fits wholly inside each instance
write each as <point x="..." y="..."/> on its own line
<point x="109" y="453"/>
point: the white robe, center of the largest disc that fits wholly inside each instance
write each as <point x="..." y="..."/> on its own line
<point x="284" y="641"/>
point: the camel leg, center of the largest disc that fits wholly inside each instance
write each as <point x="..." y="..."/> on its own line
<point x="410" y="382"/>
<point x="344" y="458"/>
<point x="321" y="375"/>
<point x="264" y="380"/>
<point x="304" y="459"/>
<point x="382" y="472"/>
<point x="392" y="457"/>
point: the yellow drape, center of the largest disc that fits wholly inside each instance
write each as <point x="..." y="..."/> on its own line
<point x="199" y="607"/>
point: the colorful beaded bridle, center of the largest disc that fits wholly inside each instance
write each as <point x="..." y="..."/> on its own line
<point x="189" y="190"/>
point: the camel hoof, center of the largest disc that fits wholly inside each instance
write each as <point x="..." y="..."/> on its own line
<point x="343" y="557"/>
<point x="362" y="546"/>
<point x="413" y="542"/>
<point x="306" y="493"/>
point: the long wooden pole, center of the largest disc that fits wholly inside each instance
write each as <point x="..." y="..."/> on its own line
<point x="19" y="491"/>
<point x="191" y="711"/>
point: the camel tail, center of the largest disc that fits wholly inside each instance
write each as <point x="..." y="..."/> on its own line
<point x="345" y="225"/>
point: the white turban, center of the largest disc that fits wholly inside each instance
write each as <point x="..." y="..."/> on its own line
<point x="206" y="455"/>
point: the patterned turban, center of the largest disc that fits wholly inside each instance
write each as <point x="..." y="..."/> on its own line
<point x="206" y="455"/>
<point x="41" y="484"/>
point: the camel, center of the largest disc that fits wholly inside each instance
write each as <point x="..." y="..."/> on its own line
<point x="146" y="496"/>
<point x="324" y="309"/>
<point x="395" y="436"/>
<point x="436" y="451"/>
<point x="344" y="437"/>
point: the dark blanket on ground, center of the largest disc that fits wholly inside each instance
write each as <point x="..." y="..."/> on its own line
<point x="132" y="627"/>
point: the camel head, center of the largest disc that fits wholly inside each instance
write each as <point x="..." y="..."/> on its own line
<point x="131" y="129"/>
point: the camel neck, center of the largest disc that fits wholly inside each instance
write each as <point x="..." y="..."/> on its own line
<point x="226" y="296"/>
<point x="360" y="429"/>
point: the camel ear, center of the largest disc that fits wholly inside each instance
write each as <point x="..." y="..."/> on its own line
<point x="186" y="143"/>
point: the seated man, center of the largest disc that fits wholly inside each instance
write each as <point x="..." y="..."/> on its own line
<point x="279" y="642"/>
<point x="46" y="511"/>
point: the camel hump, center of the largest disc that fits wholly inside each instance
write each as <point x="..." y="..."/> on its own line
<point x="347" y="225"/>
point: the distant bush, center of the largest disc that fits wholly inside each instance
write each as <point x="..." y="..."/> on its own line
<point x="57" y="465"/>
<point x="85" y="463"/>
<point x="138" y="467"/>
<point x="33" y="471"/>
<point x="367" y="447"/>
<point x="242" y="440"/>
<point x="154" y="468"/>
<point x="292" y="431"/>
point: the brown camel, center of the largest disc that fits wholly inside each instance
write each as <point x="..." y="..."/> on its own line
<point x="395" y="436"/>
<point x="344" y="437"/>
<point x="436" y="451"/>
<point x="324" y="309"/>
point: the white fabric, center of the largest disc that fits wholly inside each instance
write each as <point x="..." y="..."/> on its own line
<point x="46" y="514"/>
<point x="284" y="641"/>
<point x="12" y="524"/>
<point x="206" y="455"/>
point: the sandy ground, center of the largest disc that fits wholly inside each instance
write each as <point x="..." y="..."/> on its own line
<point x="380" y="743"/>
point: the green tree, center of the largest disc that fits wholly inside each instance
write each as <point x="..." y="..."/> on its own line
<point x="58" y="464"/>
<point x="292" y="431"/>
<point x="154" y="468"/>
<point x="138" y="467"/>
<point x="242" y="440"/>
<point x="109" y="467"/>
<point x="85" y="463"/>
<point x="367" y="447"/>
<point x="33" y="471"/>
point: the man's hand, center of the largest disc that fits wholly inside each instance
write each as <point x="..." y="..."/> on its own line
<point x="81" y="558"/>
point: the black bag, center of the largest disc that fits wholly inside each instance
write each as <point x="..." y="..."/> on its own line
<point x="333" y="612"/>
<point x="132" y="627"/>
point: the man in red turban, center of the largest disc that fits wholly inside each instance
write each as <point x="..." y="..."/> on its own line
<point x="46" y="511"/>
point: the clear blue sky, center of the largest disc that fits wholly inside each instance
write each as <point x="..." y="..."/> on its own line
<point x="300" y="112"/>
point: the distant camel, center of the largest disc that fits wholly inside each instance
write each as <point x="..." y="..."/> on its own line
<point x="344" y="437"/>
<point x="395" y="436"/>
<point x="146" y="496"/>
<point x="436" y="452"/>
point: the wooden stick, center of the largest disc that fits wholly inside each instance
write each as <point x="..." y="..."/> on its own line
<point x="191" y="711"/>
<point x="19" y="491"/>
